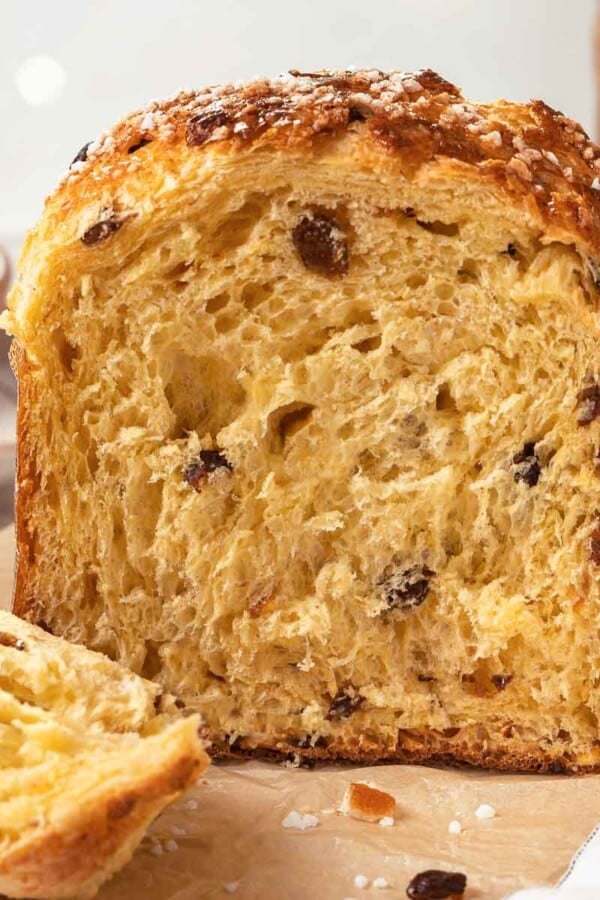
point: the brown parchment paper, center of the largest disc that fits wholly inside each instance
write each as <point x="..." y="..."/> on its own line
<point x="234" y="833"/>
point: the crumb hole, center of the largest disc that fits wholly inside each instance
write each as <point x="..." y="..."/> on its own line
<point x="288" y="420"/>
<point x="225" y="323"/>
<point x="469" y="271"/>
<point x="68" y="354"/>
<point x="216" y="303"/>
<point x="417" y="280"/>
<point x="369" y="344"/>
<point x="255" y="294"/>
<point x="152" y="661"/>
<point x="444" y="399"/>
<point x="447" y="229"/>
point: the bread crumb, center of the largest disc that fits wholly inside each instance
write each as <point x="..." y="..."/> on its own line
<point x="191" y="804"/>
<point x="361" y="881"/>
<point x="485" y="811"/>
<point x="171" y="846"/>
<point x="230" y="887"/>
<point x="366" y="802"/>
<point x="387" y="822"/>
<point x="156" y="850"/>
<point x="176" y="831"/>
<point x="297" y="820"/>
<point x="455" y="827"/>
<point x="596" y="183"/>
<point x="380" y="882"/>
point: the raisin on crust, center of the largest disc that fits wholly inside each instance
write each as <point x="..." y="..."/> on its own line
<point x="377" y="302"/>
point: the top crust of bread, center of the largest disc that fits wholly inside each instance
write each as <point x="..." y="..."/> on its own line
<point x="539" y="158"/>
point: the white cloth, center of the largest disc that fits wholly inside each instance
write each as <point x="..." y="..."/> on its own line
<point x="581" y="881"/>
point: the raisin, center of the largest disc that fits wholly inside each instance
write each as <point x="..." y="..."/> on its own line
<point x="558" y="767"/>
<point x="321" y="244"/>
<point x="206" y="462"/>
<point x="179" y="704"/>
<point x="589" y="399"/>
<point x="101" y="231"/>
<point x="501" y="681"/>
<point x="356" y="114"/>
<point x="138" y="146"/>
<point x="595" y="546"/>
<point x="426" y="678"/>
<point x="511" y="251"/>
<point x="527" y="465"/>
<point x="200" y="127"/>
<point x="82" y="155"/>
<point x="408" y="589"/>
<point x="436" y="885"/>
<point x="9" y="640"/>
<point x="343" y="705"/>
<point x="158" y="701"/>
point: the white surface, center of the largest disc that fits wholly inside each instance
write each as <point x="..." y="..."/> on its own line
<point x="581" y="880"/>
<point x="117" y="54"/>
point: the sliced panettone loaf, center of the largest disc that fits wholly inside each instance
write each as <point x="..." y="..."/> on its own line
<point x="89" y="756"/>
<point x="309" y="417"/>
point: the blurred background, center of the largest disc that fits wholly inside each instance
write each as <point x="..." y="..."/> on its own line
<point x="69" y="69"/>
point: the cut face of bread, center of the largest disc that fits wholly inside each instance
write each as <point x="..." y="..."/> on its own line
<point x="309" y="418"/>
<point x="89" y="756"/>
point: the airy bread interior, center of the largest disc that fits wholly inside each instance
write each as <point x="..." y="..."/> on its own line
<point x="308" y="453"/>
<point x="89" y="755"/>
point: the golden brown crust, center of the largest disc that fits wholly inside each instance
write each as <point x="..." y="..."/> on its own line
<point x="25" y="478"/>
<point x="541" y="159"/>
<point x="420" y="747"/>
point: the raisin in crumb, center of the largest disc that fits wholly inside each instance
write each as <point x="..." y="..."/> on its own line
<point x="527" y="465"/>
<point x="101" y="231"/>
<point x="589" y="400"/>
<point x="426" y="678"/>
<point x="357" y="114"/>
<point x="139" y="144"/>
<point x="9" y="640"/>
<point x="501" y="681"/>
<point x="343" y="705"/>
<point x="436" y="885"/>
<point x="407" y="589"/>
<point x="200" y="127"/>
<point x="595" y="546"/>
<point x="511" y="251"/>
<point x="321" y="244"/>
<point x="82" y="154"/>
<point x="206" y="462"/>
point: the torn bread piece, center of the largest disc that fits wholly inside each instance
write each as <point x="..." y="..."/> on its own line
<point x="89" y="755"/>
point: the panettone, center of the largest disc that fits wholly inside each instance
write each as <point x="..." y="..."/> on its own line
<point x="309" y="417"/>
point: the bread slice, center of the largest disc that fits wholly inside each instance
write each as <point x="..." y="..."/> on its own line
<point x="89" y="756"/>
<point x="309" y="417"/>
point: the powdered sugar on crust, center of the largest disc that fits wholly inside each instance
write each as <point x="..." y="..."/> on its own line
<point x="419" y="115"/>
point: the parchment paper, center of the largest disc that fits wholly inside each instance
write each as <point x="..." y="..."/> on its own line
<point x="234" y="833"/>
